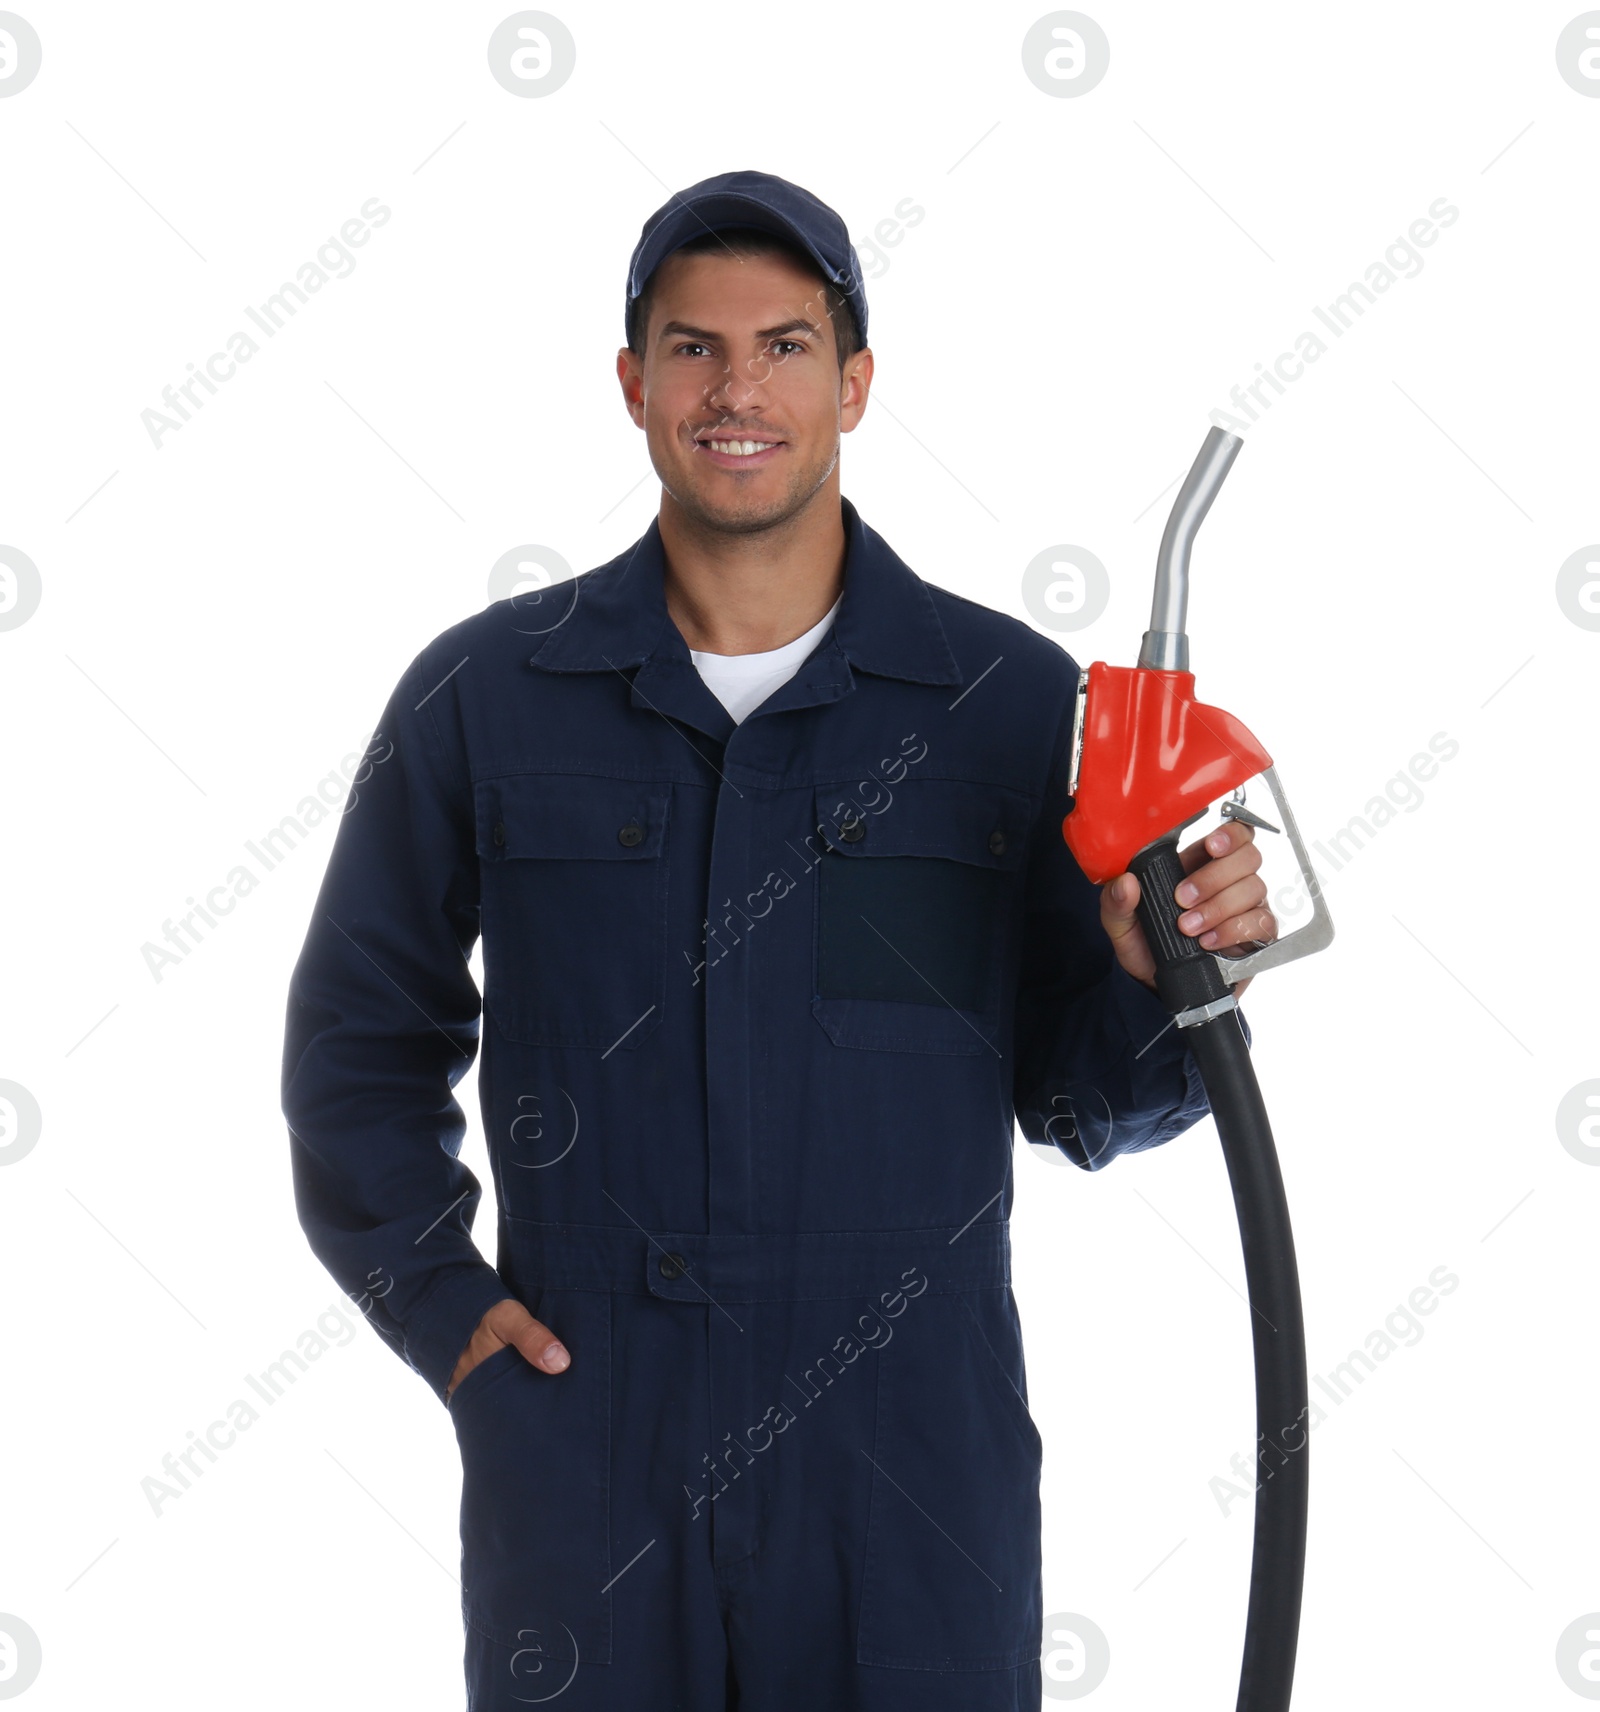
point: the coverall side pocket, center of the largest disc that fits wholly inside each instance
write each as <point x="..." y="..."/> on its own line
<point x="573" y="876"/>
<point x="536" y="1490"/>
<point x="951" y="1577"/>
<point x="997" y="1337"/>
<point x="484" y="1374"/>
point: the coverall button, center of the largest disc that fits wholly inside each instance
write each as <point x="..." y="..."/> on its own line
<point x="853" y="831"/>
<point x="499" y="832"/>
<point x="671" y="1265"/>
<point x="997" y="843"/>
<point x="631" y="834"/>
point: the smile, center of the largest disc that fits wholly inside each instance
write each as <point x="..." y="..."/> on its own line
<point x="739" y="454"/>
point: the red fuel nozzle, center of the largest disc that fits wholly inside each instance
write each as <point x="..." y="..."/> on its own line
<point x="1152" y="758"/>
<point x="1147" y="757"/>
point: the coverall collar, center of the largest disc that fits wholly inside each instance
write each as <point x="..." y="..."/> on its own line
<point x="618" y="618"/>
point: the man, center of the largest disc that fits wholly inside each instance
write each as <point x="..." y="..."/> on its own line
<point x="762" y="836"/>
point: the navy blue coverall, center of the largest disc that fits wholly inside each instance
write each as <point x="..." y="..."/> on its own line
<point x="760" y="1004"/>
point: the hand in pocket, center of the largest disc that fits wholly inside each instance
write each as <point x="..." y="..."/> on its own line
<point x="508" y="1322"/>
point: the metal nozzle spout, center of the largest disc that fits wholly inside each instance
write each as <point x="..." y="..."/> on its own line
<point x="1166" y="643"/>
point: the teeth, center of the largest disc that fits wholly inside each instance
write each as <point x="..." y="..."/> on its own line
<point x="740" y="448"/>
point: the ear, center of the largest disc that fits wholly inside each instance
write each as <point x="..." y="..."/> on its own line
<point x="630" y="376"/>
<point x="854" y="385"/>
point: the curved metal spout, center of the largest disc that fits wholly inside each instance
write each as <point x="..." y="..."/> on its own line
<point x="1166" y="643"/>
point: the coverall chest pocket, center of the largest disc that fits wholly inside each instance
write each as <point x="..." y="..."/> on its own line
<point x="916" y="892"/>
<point x="573" y="871"/>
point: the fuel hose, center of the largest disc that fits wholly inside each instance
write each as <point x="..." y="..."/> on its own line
<point x="1277" y="1572"/>
<point x="1148" y="758"/>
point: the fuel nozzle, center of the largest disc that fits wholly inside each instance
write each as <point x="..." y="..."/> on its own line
<point x="1148" y="758"/>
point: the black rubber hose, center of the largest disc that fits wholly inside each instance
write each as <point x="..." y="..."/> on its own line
<point x="1277" y="1571"/>
<point x="1185" y="974"/>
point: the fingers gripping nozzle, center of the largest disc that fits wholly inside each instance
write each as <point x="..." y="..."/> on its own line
<point x="1188" y="979"/>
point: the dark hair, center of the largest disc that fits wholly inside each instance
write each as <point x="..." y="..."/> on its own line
<point x="751" y="241"/>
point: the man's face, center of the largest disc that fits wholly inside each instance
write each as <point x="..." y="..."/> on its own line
<point x="740" y="350"/>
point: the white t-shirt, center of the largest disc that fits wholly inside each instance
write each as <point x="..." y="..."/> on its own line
<point x="741" y="682"/>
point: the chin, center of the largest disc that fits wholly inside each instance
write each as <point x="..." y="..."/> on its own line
<point x="744" y="517"/>
<point x="734" y="513"/>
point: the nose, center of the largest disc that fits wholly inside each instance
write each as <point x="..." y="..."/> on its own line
<point x="739" y="388"/>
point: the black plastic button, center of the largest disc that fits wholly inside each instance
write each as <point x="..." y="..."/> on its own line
<point x="631" y="834"/>
<point x="997" y="843"/>
<point x="853" y="831"/>
<point x="499" y="832"/>
<point x="671" y="1266"/>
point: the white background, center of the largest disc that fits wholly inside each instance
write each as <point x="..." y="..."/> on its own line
<point x="223" y="617"/>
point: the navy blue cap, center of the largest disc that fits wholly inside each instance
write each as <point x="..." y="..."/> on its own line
<point x="752" y="199"/>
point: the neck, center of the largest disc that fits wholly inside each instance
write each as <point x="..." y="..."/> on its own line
<point x="748" y="593"/>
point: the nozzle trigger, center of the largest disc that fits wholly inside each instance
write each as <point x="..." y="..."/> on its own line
<point x="1237" y="811"/>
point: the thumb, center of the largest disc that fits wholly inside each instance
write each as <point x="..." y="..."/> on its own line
<point x="542" y="1347"/>
<point x="1119" y="904"/>
<point x="512" y="1323"/>
<point x="1123" y="896"/>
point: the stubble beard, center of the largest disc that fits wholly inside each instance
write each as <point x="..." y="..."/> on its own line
<point x="738" y="514"/>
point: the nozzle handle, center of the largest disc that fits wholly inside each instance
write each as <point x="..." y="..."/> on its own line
<point x="1187" y="977"/>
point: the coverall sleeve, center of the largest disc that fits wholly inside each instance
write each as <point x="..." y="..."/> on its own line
<point x="382" y="1023"/>
<point x="1101" y="1068"/>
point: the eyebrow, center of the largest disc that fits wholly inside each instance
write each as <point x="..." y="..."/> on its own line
<point x="682" y="329"/>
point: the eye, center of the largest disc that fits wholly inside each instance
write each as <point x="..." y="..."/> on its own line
<point x="693" y="346"/>
<point x="794" y="342"/>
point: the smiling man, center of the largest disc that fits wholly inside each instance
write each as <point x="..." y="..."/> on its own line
<point x="761" y="834"/>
